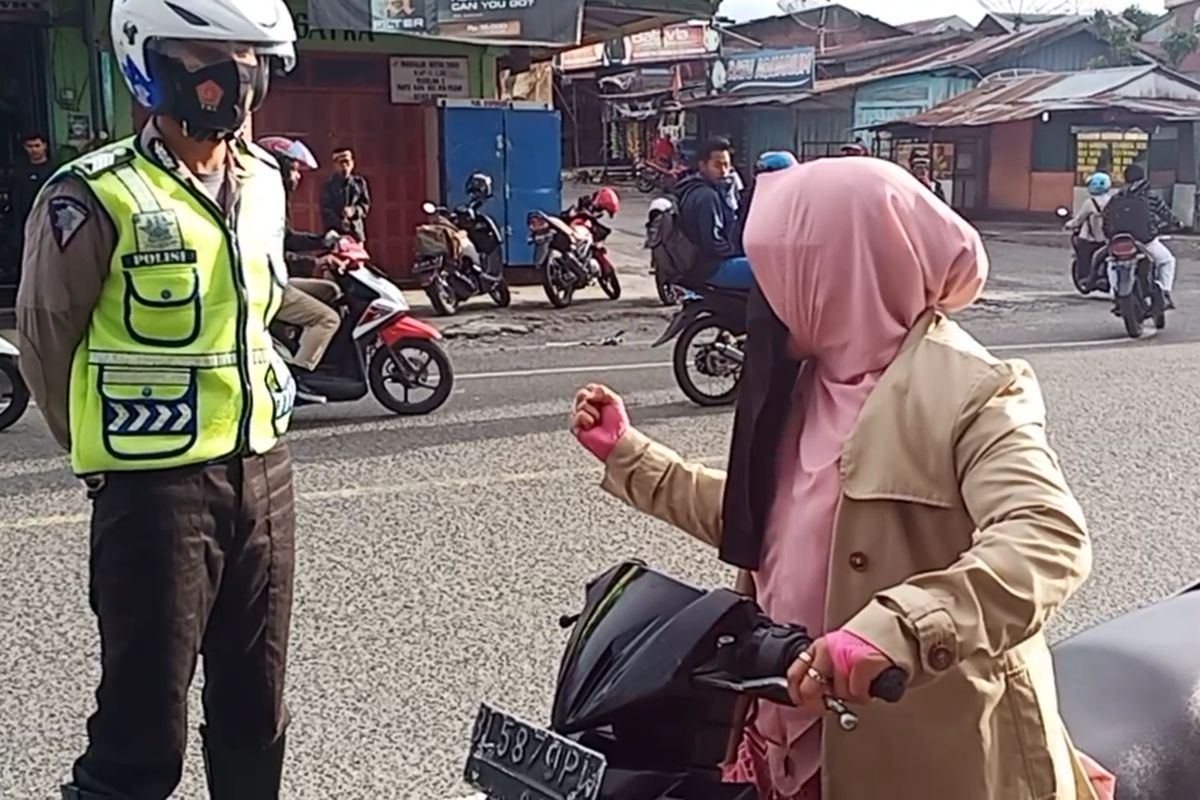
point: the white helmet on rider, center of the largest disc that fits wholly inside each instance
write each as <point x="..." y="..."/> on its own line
<point x="205" y="63"/>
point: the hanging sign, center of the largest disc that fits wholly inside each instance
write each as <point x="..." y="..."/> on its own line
<point x="766" y="69"/>
<point x="418" y="79"/>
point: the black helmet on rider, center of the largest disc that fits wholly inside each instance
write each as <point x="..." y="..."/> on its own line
<point x="205" y="64"/>
<point x="479" y="186"/>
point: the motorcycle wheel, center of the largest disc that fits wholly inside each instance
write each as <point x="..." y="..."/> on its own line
<point x="442" y="297"/>
<point x="424" y="366"/>
<point x="554" y="281"/>
<point x="705" y="362"/>
<point x="1133" y="313"/>
<point x="14" y="394"/>
<point x="501" y="295"/>
<point x="611" y="285"/>
<point x="646" y="184"/>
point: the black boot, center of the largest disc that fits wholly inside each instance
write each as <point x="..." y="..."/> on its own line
<point x="242" y="774"/>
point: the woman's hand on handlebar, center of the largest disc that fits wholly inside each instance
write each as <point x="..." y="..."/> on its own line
<point x="599" y="419"/>
<point x="847" y="664"/>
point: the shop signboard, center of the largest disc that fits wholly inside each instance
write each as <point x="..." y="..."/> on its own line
<point x="672" y="43"/>
<point x="549" y="22"/>
<point x="418" y="79"/>
<point x="766" y="69"/>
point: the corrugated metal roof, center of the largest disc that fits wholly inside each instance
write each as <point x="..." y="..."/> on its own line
<point x="1150" y="90"/>
<point x="747" y="100"/>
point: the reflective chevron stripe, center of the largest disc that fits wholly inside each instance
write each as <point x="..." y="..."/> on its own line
<point x="139" y="417"/>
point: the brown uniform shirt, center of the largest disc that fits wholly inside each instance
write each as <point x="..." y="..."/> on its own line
<point x="69" y="243"/>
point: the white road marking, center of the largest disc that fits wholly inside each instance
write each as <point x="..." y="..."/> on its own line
<point x="577" y="370"/>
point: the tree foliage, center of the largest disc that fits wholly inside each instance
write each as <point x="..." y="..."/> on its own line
<point x="1180" y="44"/>
<point x="1120" y="36"/>
<point x="1140" y="19"/>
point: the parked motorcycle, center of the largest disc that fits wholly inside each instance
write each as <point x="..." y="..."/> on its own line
<point x="569" y="249"/>
<point x="711" y="346"/>
<point x="459" y="252"/>
<point x="651" y="176"/>
<point x="379" y="346"/>
<point x="14" y="394"/>
<point x="655" y="672"/>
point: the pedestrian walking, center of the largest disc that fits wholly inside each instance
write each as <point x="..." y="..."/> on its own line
<point x="345" y="197"/>
<point x="154" y="266"/>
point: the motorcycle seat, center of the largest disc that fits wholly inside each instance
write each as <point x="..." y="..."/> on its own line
<point x="1129" y="692"/>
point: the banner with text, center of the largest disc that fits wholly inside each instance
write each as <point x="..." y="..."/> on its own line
<point x="766" y="69"/>
<point x="548" y="22"/>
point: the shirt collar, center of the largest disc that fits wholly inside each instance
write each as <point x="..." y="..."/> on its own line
<point x="155" y="146"/>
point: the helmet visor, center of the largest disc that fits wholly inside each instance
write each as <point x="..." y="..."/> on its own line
<point x="197" y="54"/>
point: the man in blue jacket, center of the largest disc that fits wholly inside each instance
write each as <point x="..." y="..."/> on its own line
<point x="708" y="217"/>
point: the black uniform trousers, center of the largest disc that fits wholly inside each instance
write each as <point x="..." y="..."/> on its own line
<point x="188" y="561"/>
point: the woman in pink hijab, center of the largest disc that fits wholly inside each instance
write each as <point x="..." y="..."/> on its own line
<point x="917" y="516"/>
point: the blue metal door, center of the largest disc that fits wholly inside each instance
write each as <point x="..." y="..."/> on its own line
<point x="473" y="141"/>
<point x="534" y="173"/>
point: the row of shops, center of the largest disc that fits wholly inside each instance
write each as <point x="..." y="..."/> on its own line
<point x="1015" y="120"/>
<point x="369" y="85"/>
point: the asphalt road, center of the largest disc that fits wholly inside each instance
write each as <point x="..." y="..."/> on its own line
<point x="436" y="554"/>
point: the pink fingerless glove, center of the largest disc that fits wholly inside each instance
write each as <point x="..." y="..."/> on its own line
<point x="847" y="650"/>
<point x="602" y="438"/>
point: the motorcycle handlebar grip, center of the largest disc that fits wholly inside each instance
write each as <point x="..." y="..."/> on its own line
<point x="890" y="685"/>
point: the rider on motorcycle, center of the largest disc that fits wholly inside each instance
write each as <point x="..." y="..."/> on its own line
<point x="1088" y="222"/>
<point x="708" y="218"/>
<point x="307" y="301"/>
<point x="1143" y="220"/>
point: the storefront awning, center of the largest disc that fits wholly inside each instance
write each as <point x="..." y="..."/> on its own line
<point x="548" y="25"/>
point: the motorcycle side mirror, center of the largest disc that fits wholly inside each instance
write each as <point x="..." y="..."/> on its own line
<point x="1062" y="212"/>
<point x="429" y="208"/>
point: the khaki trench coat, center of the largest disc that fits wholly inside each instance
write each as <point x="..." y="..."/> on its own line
<point x="955" y="540"/>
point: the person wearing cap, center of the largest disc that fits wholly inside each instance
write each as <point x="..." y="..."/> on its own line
<point x="921" y="166"/>
<point x="154" y="266"/>
<point x="855" y="148"/>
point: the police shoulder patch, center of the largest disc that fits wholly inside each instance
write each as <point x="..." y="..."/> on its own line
<point x="101" y="161"/>
<point x="67" y="217"/>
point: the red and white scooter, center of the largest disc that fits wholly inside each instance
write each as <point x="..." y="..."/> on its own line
<point x="379" y="346"/>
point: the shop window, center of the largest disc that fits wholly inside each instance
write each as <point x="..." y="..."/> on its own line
<point x="1052" y="145"/>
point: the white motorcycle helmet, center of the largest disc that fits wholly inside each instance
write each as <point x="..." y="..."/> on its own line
<point x="198" y="61"/>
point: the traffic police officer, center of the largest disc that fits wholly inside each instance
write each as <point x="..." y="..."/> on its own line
<point x="154" y="267"/>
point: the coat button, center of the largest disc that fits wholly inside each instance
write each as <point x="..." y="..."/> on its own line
<point x="858" y="562"/>
<point x="941" y="658"/>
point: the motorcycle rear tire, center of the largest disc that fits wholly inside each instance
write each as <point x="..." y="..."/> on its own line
<point x="20" y="394"/>
<point x="558" y="294"/>
<point x="442" y="297"/>
<point x="611" y="284"/>
<point x="681" y="364"/>
<point x="1133" y="314"/>
<point x="1083" y="283"/>
<point x="501" y="295"/>
<point x="376" y="375"/>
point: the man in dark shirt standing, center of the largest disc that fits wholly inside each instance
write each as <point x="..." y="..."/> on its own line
<point x="345" y="197"/>
<point x="27" y="181"/>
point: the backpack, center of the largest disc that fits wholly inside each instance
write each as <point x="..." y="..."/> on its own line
<point x="1129" y="213"/>
<point x="671" y="253"/>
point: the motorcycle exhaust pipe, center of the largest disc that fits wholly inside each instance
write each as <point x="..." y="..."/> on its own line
<point x="732" y="352"/>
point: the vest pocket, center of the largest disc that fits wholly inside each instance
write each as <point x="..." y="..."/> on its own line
<point x="162" y="305"/>
<point x="148" y="414"/>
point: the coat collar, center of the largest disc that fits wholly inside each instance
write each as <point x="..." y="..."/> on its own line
<point x="914" y="471"/>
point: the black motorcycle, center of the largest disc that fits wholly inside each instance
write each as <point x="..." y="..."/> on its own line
<point x="650" y="689"/>
<point x="711" y="346"/>
<point x="475" y="265"/>
<point x="1138" y="294"/>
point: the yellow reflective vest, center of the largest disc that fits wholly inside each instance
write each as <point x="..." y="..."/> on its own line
<point x="177" y="366"/>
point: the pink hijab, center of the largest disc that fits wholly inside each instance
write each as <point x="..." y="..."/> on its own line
<point x="849" y="253"/>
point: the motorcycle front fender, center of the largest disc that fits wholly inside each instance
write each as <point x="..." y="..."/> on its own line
<point x="407" y="327"/>
<point x="681" y="320"/>
<point x="1126" y="277"/>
